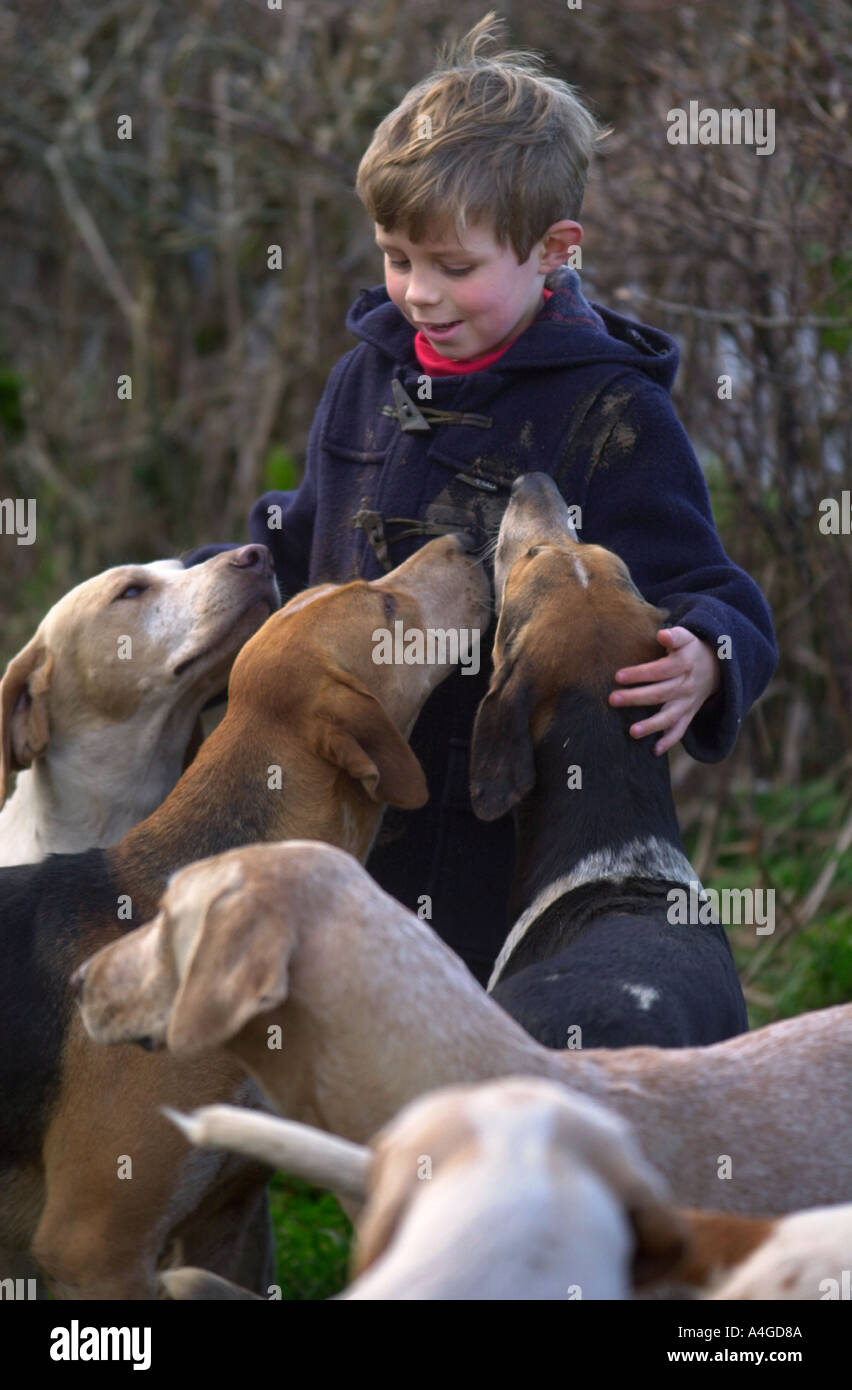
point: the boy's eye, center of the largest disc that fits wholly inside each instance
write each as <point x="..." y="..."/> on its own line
<point x="447" y="269"/>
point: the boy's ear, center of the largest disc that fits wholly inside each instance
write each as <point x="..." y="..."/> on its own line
<point x="502" y="761"/>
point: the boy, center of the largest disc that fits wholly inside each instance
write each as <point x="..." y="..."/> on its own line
<point x="481" y="359"/>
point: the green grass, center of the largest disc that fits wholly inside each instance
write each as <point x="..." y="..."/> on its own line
<point x="789" y="834"/>
<point x="811" y="970"/>
<point x="312" y="1237"/>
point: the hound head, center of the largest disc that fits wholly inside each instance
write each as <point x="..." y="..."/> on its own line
<point x="570" y="616"/>
<point x="218" y="952"/>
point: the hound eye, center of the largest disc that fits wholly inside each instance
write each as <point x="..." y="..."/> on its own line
<point x="535" y="550"/>
<point x="132" y="591"/>
<point x="390" y="605"/>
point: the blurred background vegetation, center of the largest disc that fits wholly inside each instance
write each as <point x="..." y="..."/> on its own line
<point x="149" y="256"/>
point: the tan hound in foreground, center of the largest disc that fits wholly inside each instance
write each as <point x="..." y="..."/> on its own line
<point x="374" y="1010"/>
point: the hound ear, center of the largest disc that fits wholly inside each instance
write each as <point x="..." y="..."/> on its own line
<point x="718" y="1242"/>
<point x="661" y="1235"/>
<point x="353" y="731"/>
<point x="502" y="761"/>
<point x="662" y="1240"/>
<point x="238" y="969"/>
<point x="24" y="725"/>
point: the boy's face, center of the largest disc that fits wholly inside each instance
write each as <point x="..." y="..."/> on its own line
<point x="479" y="288"/>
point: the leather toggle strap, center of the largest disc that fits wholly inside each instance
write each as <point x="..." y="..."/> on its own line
<point x="406" y="412"/>
<point x="414" y="419"/>
<point x="373" y="525"/>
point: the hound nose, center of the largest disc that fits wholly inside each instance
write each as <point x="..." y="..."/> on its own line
<point x="253" y="557"/>
<point x="539" y="486"/>
<point x="78" y="980"/>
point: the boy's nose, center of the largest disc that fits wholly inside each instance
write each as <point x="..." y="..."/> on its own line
<point x="421" y="307"/>
<point x="420" y="293"/>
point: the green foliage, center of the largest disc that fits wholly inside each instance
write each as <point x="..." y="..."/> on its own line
<point x="722" y="496"/>
<point x="280" y="473"/>
<point x="809" y="968"/>
<point x="11" y="414"/>
<point x="838" y="305"/>
<point x="37" y="590"/>
<point x="210" y="338"/>
<point x="813" y="970"/>
<point x="838" y="302"/>
<point x="312" y="1237"/>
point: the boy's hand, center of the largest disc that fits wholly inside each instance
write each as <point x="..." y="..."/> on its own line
<point x="680" y="683"/>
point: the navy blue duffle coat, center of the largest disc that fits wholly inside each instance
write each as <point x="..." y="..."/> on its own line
<point x="582" y="394"/>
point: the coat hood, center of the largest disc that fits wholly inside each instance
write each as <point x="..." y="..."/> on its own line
<point x="568" y="331"/>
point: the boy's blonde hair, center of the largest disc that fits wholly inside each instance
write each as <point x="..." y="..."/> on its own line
<point x="480" y="139"/>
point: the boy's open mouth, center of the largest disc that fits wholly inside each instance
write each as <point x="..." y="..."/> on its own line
<point x="438" y="328"/>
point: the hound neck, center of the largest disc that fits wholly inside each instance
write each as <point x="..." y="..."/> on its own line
<point x="75" y="799"/>
<point x="227" y="799"/>
<point x="620" y="822"/>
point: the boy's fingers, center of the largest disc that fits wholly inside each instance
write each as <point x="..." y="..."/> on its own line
<point x="665" y="718"/>
<point x="660" y="669"/>
<point x="646" y="694"/>
<point x="675" y="637"/>
<point x="672" y="737"/>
